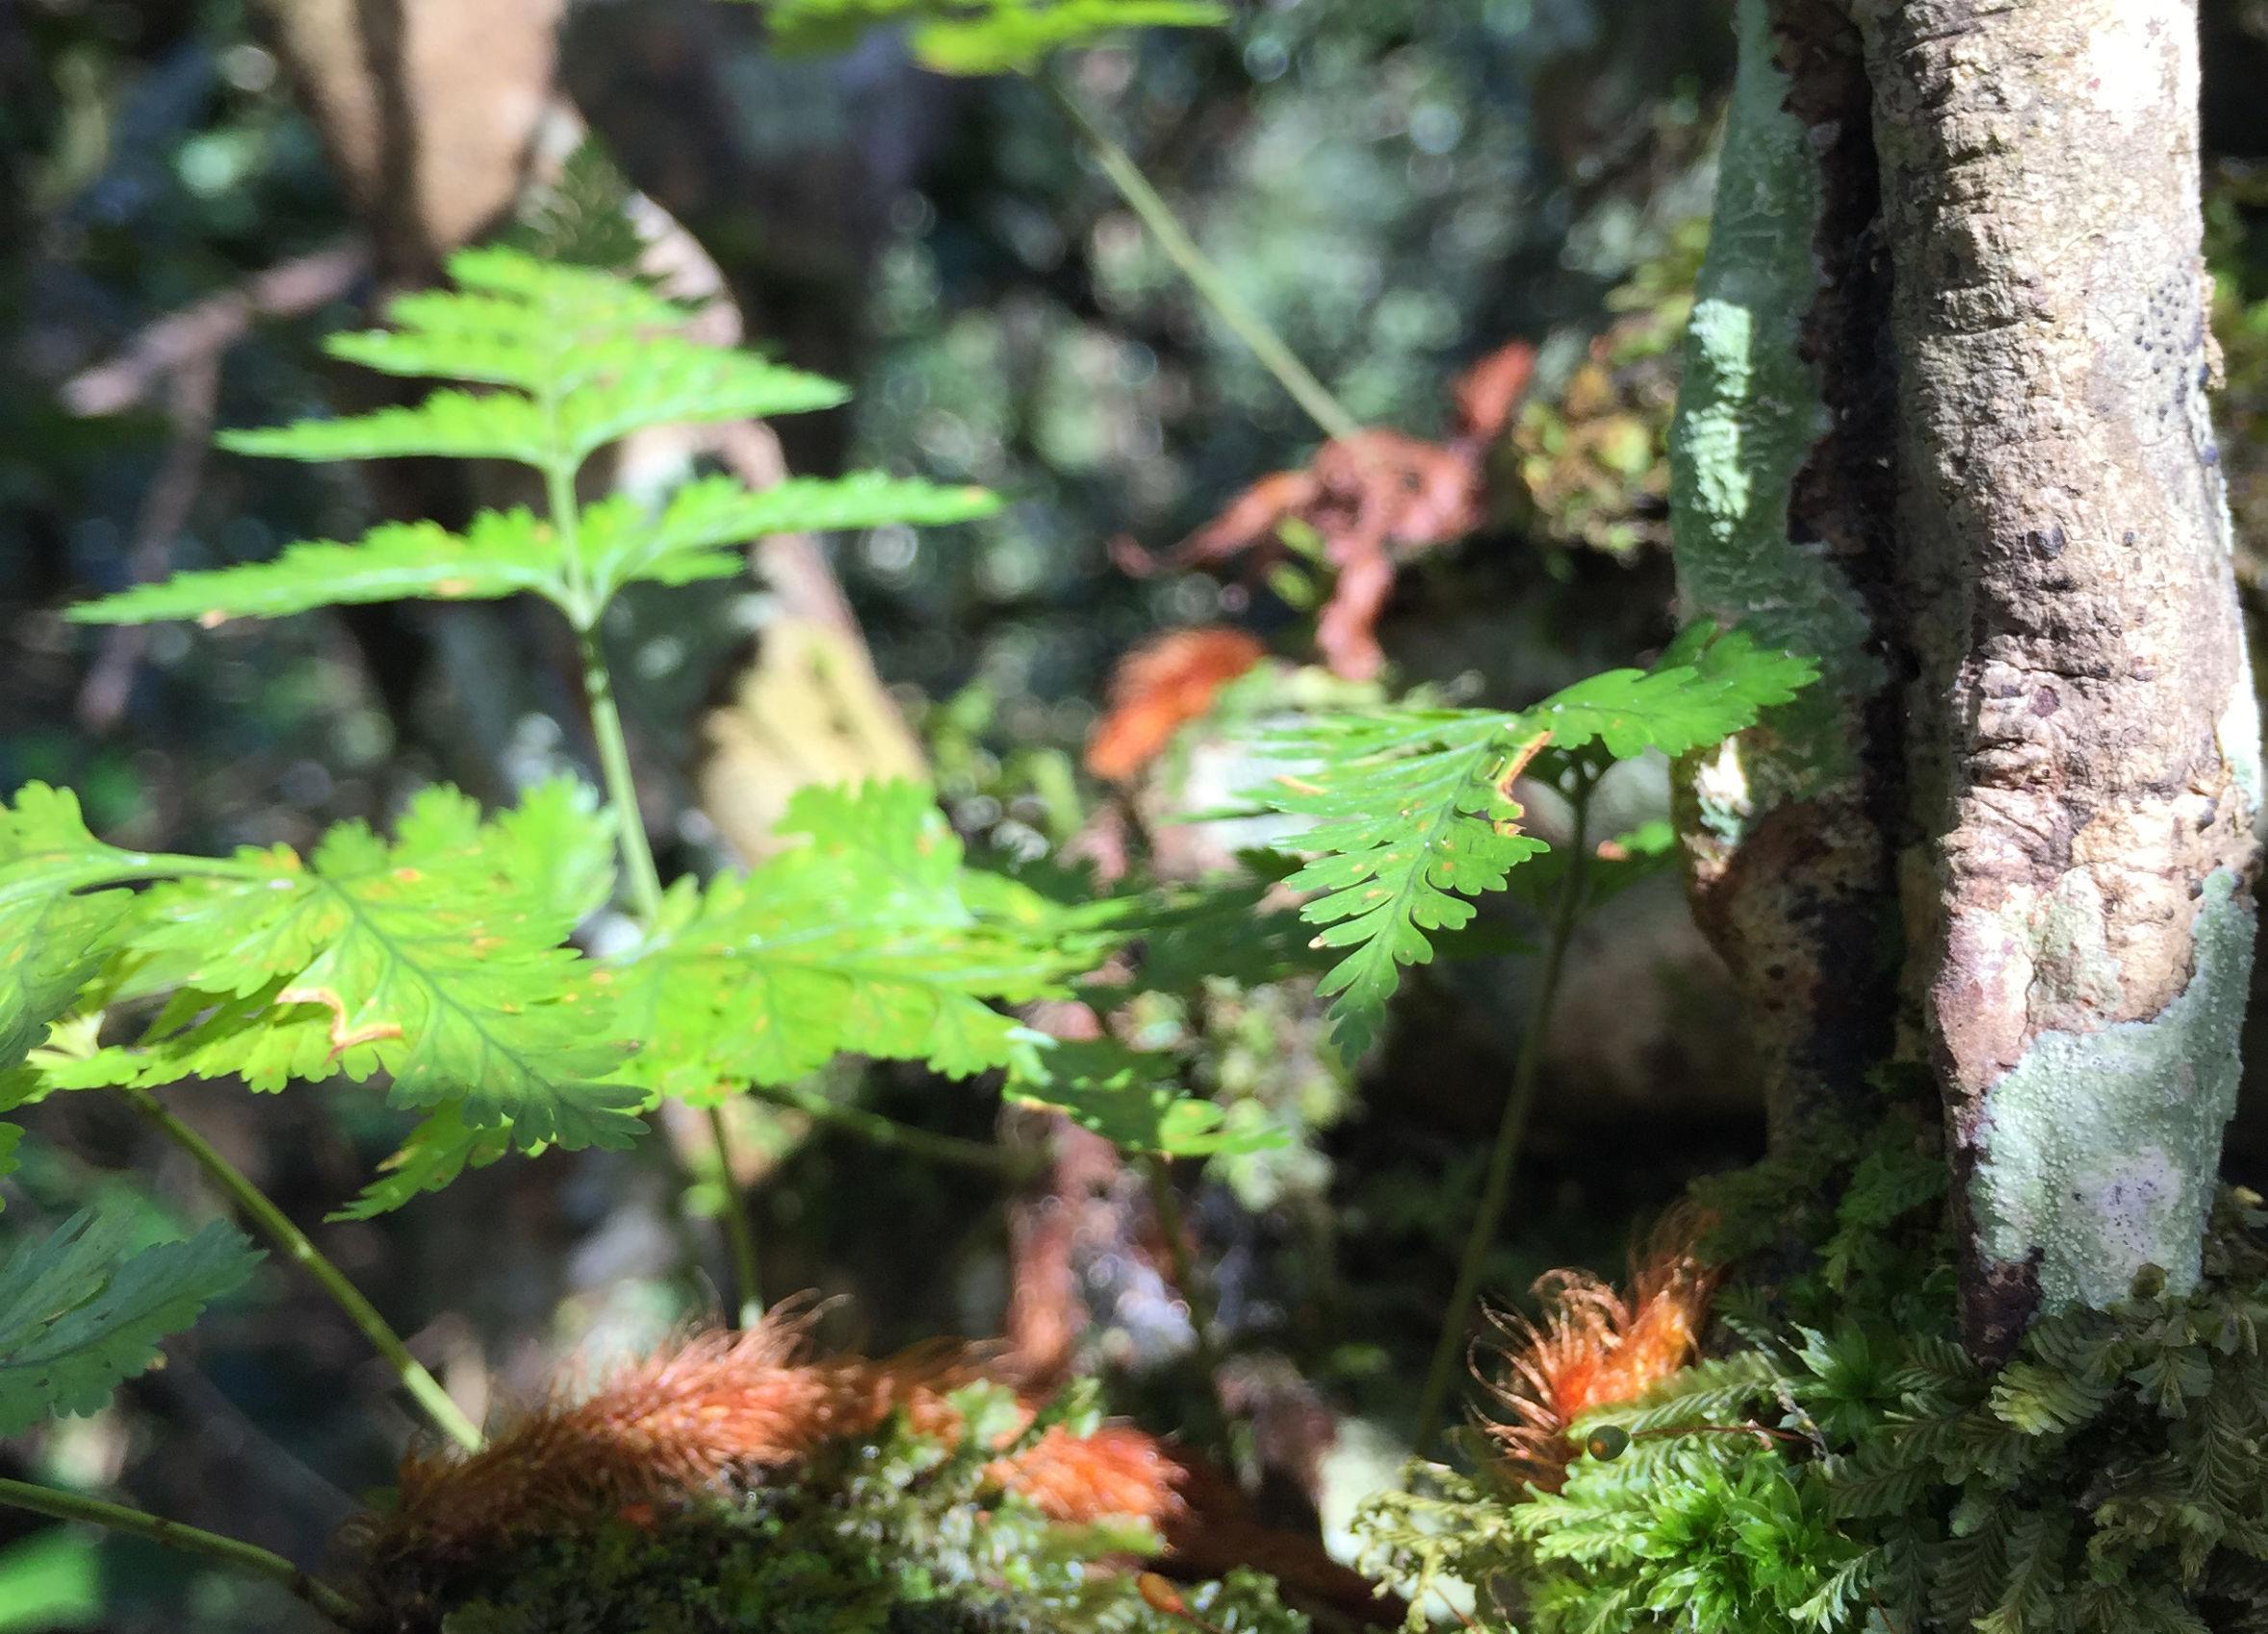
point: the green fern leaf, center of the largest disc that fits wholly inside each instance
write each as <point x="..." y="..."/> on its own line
<point x="978" y="36"/>
<point x="448" y="424"/>
<point x="502" y="554"/>
<point x="1676" y="707"/>
<point x="57" y="930"/>
<point x="575" y="358"/>
<point x="694" y="535"/>
<point x="82" y="1311"/>
<point x="869" y="939"/>
<point x="566" y="359"/>
<point x="1413" y="815"/>
<point x="441" y="1148"/>
<point x="2039" y="1401"/>
<point x="1412" y="823"/>
<point x="1134" y="1100"/>
<point x="435" y="958"/>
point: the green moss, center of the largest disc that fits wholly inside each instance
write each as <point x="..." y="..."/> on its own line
<point x="2108" y="1480"/>
<point x="899" y="1533"/>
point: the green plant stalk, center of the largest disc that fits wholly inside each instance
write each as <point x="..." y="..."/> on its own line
<point x="1504" y="1156"/>
<point x="261" y="1211"/>
<point x="637" y="852"/>
<point x="1204" y="276"/>
<point x="739" y="1229"/>
<point x="888" y="1131"/>
<point x="191" y="1540"/>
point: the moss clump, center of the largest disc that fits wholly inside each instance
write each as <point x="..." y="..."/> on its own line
<point x="1841" y="1465"/>
<point x="896" y="1533"/>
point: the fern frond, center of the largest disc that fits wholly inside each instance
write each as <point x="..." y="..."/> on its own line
<point x="694" y="536"/>
<point x="1413" y="814"/>
<point x="56" y="929"/>
<point x="978" y="36"/>
<point x="564" y="360"/>
<point x="442" y="1147"/>
<point x="502" y="554"/>
<point x="83" y="1310"/>
<point x="577" y="358"/>
<point x="1676" y="707"/>
<point x="1134" y="1100"/>
<point x="1412" y="824"/>
<point x="869" y="939"/>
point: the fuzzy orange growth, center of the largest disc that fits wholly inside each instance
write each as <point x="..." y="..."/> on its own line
<point x="1161" y="687"/>
<point x="727" y="1408"/>
<point x="1594" y="1348"/>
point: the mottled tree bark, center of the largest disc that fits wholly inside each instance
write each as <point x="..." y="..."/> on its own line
<point x="2085" y="744"/>
<point x="2009" y="502"/>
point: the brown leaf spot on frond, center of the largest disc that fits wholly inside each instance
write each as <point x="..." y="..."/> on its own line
<point x="344" y="1037"/>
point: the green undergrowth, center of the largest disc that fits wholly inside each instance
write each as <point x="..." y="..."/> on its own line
<point x="899" y="1533"/>
<point x="1839" y="1463"/>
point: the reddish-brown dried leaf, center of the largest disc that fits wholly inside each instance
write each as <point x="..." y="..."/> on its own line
<point x="1373" y="499"/>
<point x="1158" y="688"/>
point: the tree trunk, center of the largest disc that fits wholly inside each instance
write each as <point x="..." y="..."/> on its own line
<point x="2012" y="471"/>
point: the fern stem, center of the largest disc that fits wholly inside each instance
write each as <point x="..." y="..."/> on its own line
<point x="888" y="1131"/>
<point x="190" y="1539"/>
<point x="297" y="1247"/>
<point x="1504" y="1156"/>
<point x="739" y="1229"/>
<point x="622" y="790"/>
<point x="638" y="851"/>
<point x="597" y="693"/>
<point x="1203" y="275"/>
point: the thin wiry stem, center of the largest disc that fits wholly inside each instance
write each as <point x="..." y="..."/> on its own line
<point x="299" y="1249"/>
<point x="739" y="1229"/>
<point x="1504" y="1156"/>
<point x="1203" y="275"/>
<point x="191" y="1540"/>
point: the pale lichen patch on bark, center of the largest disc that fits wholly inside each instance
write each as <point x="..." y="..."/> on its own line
<point x="1749" y="410"/>
<point x="2098" y="1150"/>
<point x="1787" y="869"/>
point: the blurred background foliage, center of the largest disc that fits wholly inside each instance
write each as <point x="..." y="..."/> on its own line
<point x="1401" y="189"/>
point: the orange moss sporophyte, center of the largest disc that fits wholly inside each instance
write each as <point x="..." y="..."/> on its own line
<point x="1594" y="1347"/>
<point x="720" y="1408"/>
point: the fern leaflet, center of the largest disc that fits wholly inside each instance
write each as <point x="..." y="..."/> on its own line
<point x="1413" y="811"/>
<point x="567" y="359"/>
<point x="978" y="36"/>
<point x="83" y="1310"/>
<point x="435" y="958"/>
<point x="867" y="939"/>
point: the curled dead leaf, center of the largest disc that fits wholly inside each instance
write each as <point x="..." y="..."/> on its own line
<point x="1159" y="688"/>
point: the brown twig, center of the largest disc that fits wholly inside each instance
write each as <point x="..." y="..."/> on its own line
<point x="180" y="355"/>
<point x="192" y="387"/>
<point x="201" y="332"/>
